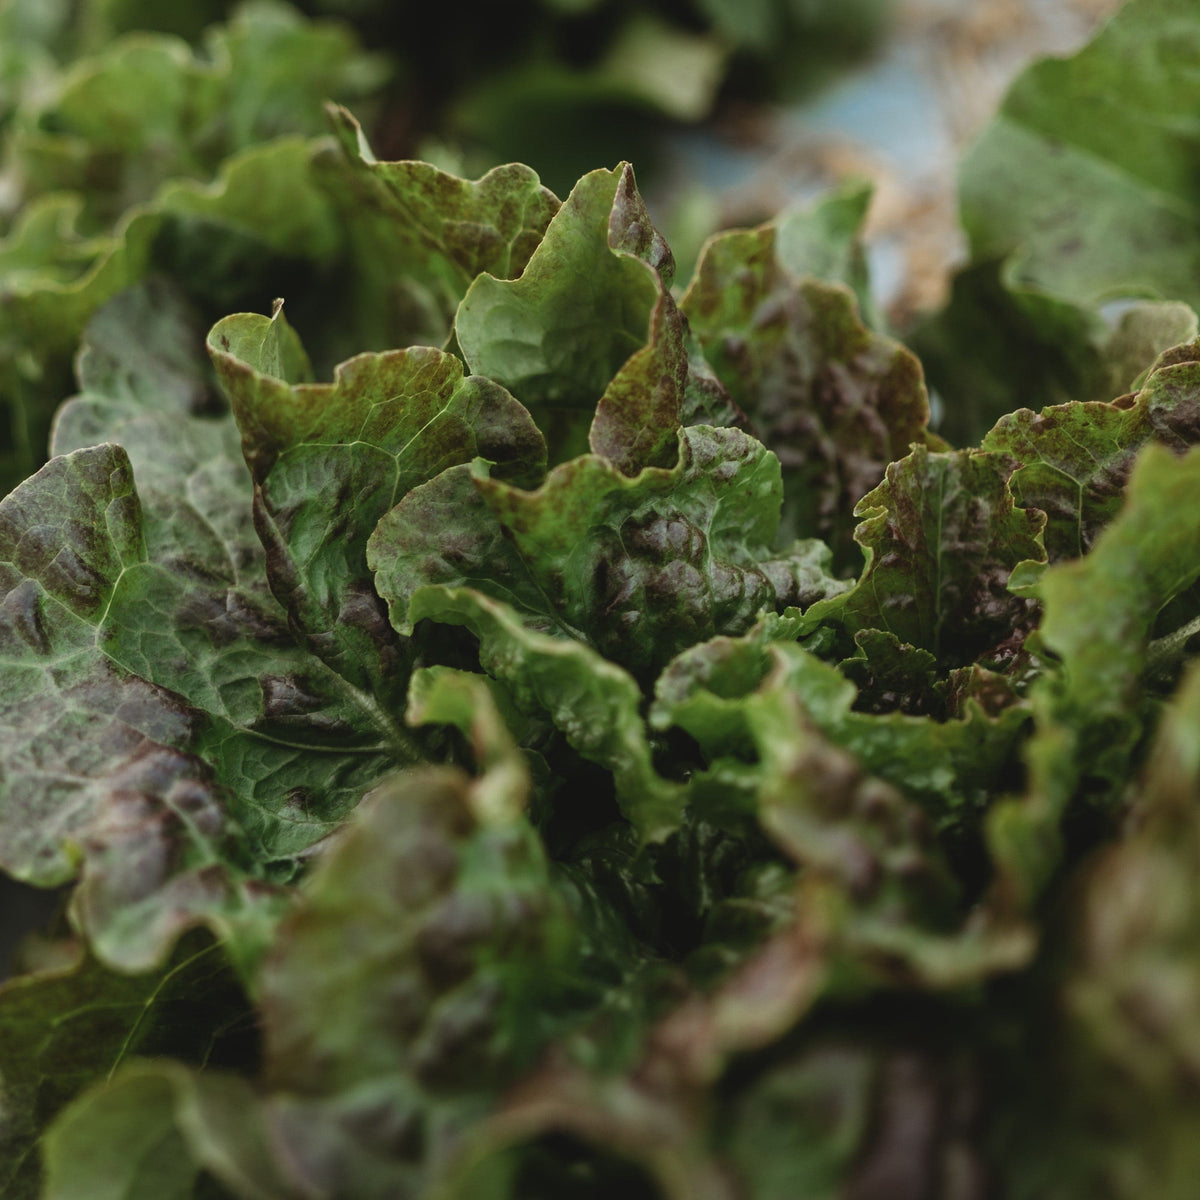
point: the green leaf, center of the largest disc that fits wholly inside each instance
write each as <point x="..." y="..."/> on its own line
<point x="834" y="401"/>
<point x="419" y="235"/>
<point x="593" y="702"/>
<point x="1075" y="459"/>
<point x="827" y="1111"/>
<point x="58" y="574"/>
<point x="209" y="178"/>
<point x="149" y="1133"/>
<point x="74" y="1024"/>
<point x="824" y="241"/>
<point x="423" y="822"/>
<point x="942" y="536"/>
<point x="442" y="944"/>
<point x="1100" y="613"/>
<point x="950" y="767"/>
<point x="638" y="568"/>
<point x="559" y="347"/>
<point x="102" y="765"/>
<point x="264" y="211"/>
<point x="227" y="745"/>
<point x="1105" y="127"/>
<point x="297" y="731"/>
<point x="147" y="109"/>
<point x="329" y="460"/>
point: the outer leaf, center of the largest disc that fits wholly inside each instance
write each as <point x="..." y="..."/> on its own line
<point x="835" y="402"/>
<point x="328" y="461"/>
<point x="420" y="235"/>
<point x="65" y="537"/>
<point x="1100" y="613"/>
<point x="1104" y="125"/>
<point x="262" y="213"/>
<point x="616" y="346"/>
<point x="146" y="1136"/>
<point x="441" y="942"/>
<point x="185" y="608"/>
<point x="864" y="841"/>
<point x="302" y="748"/>
<point x="99" y="758"/>
<point x="1075" y="459"/>
<point x="69" y="1026"/>
<point x="996" y="347"/>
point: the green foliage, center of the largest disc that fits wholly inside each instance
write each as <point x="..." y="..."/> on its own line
<point x="532" y="729"/>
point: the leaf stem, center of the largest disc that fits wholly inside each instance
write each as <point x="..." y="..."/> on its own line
<point x="396" y="739"/>
<point x="1164" y="651"/>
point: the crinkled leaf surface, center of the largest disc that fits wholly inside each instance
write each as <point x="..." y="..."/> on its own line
<point x="1100" y="613"/>
<point x="1075" y="459"/>
<point x="866" y="842"/>
<point x="419" y="235"/>
<point x="638" y="568"/>
<point x="329" y="460"/>
<point x="221" y="738"/>
<point x="942" y="537"/>
<point x="834" y="401"/>
<point x="616" y="347"/>
<point x="101" y="764"/>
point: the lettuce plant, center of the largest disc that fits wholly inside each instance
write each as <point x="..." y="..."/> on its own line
<point x="595" y="735"/>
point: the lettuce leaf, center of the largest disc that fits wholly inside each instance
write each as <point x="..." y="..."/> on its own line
<point x="833" y="400"/>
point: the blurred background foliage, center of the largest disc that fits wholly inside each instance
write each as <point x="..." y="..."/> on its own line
<point x="730" y="111"/>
